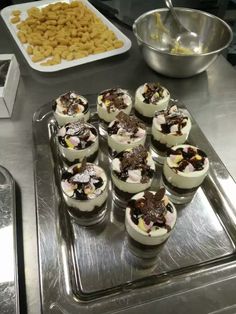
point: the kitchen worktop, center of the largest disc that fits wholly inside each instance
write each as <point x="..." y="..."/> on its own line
<point x="210" y="97"/>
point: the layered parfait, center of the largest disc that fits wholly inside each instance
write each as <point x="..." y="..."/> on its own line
<point x="132" y="172"/>
<point x="184" y="170"/>
<point x="125" y="132"/>
<point x="70" y="107"/>
<point x="149" y="219"/>
<point x="170" y="127"/>
<point x="110" y="102"/>
<point x="85" y="192"/>
<point x="76" y="141"/>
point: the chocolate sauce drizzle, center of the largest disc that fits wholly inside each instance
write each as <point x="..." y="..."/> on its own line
<point x="189" y="157"/>
<point x="78" y="129"/>
<point x="116" y="98"/>
<point x="151" y="208"/>
<point x="132" y="160"/>
<point x="153" y="93"/>
<point x="70" y="102"/>
<point x="83" y="178"/>
<point x="172" y="118"/>
<point x="129" y="123"/>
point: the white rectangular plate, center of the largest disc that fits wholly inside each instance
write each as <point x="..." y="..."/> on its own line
<point x="6" y="15"/>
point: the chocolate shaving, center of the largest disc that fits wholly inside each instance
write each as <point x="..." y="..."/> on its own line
<point x="189" y="157"/>
<point x="115" y="97"/>
<point x="129" y="123"/>
<point x="182" y="165"/>
<point x="83" y="165"/>
<point x="154" y="207"/>
<point x="172" y="118"/>
<point x="132" y="160"/>
<point x="81" y="130"/>
<point x="70" y="103"/>
<point x="151" y="208"/>
<point x="154" y="92"/>
<point x="84" y="178"/>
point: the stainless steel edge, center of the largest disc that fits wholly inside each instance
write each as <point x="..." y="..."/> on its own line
<point x="9" y="289"/>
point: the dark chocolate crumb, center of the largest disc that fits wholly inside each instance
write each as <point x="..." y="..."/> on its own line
<point x="132" y="160"/>
<point x="129" y="123"/>
<point x="70" y="102"/>
<point x="151" y="208"/>
<point x="115" y="98"/>
<point x="176" y="117"/>
<point x="153" y="93"/>
<point x="195" y="157"/>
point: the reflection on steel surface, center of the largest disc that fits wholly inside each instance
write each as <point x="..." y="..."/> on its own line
<point x="87" y="270"/>
<point x="9" y="297"/>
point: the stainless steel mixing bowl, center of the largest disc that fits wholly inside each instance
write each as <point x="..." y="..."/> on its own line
<point x="156" y="40"/>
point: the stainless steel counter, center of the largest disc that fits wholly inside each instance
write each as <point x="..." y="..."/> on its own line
<point x="211" y="98"/>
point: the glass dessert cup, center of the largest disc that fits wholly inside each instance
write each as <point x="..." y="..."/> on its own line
<point x="149" y="225"/>
<point x="125" y="132"/>
<point x="149" y="98"/>
<point x="170" y="127"/>
<point x="181" y="183"/>
<point x="132" y="171"/>
<point x="85" y="211"/>
<point x="109" y="103"/>
<point x="77" y="141"/>
<point x="70" y="107"/>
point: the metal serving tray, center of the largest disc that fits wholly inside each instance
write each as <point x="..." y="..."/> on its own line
<point x="91" y="270"/>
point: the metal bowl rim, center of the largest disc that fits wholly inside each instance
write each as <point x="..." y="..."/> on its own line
<point x="182" y="55"/>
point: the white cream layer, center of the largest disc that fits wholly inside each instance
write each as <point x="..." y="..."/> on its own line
<point x="148" y="110"/>
<point x="184" y="180"/>
<point x="173" y="138"/>
<point x="72" y="154"/>
<point x="65" y="118"/>
<point x="90" y="204"/>
<point x="122" y="142"/>
<point x="155" y="237"/>
<point x="132" y="183"/>
<point x="109" y="116"/>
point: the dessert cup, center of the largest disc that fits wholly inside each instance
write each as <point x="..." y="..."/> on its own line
<point x="132" y="172"/>
<point x="170" y="127"/>
<point x="125" y="132"/>
<point x="109" y="103"/>
<point x="149" y="98"/>
<point x="184" y="170"/>
<point x="70" y="107"/>
<point x="149" y="220"/>
<point x="77" y="141"/>
<point x="85" y="191"/>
